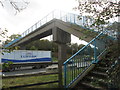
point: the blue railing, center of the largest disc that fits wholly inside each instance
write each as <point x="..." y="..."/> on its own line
<point x="64" y="16"/>
<point x="77" y="64"/>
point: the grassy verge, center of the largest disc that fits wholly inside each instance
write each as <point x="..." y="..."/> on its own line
<point x="31" y="80"/>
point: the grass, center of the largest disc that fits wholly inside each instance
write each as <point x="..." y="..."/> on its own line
<point x="37" y="79"/>
<point x="31" y="80"/>
<point x="54" y="59"/>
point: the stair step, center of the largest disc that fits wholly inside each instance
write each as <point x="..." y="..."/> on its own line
<point x="103" y="64"/>
<point x="79" y="87"/>
<point x="98" y="74"/>
<point x="91" y="85"/>
<point x="100" y="81"/>
<point x="101" y="69"/>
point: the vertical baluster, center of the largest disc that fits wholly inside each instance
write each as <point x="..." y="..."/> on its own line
<point x="66" y="18"/>
<point x="83" y="21"/>
<point x="36" y="25"/>
<point x="70" y="18"/>
<point x="65" y="78"/>
<point x="28" y="31"/>
<point x="40" y="22"/>
<point x="78" y="63"/>
<point x="25" y="32"/>
<point x="74" y="19"/>
<point x="60" y="15"/>
<point x="76" y="66"/>
<point x="70" y="71"/>
<point x="81" y="62"/>
<point x="68" y="74"/>
<point x="72" y="68"/>
<point x="46" y="19"/>
<point x="53" y="14"/>
<point x="95" y="56"/>
<point x="31" y="28"/>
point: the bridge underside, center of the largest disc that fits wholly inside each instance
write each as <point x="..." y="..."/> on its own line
<point x="61" y="32"/>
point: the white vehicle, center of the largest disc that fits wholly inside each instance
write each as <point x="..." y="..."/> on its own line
<point x="19" y="56"/>
<point x="24" y="58"/>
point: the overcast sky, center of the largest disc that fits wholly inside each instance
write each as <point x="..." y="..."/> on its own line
<point x="34" y="12"/>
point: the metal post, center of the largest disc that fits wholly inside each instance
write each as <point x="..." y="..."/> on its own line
<point x="40" y="22"/>
<point x="53" y="14"/>
<point x="95" y="53"/>
<point x="66" y="18"/>
<point x="70" y="18"/>
<point x="74" y="18"/>
<point x="60" y="15"/>
<point x="36" y="25"/>
<point x="65" y="75"/>
<point x="46" y="19"/>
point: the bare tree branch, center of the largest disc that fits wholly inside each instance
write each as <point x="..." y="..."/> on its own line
<point x="17" y="5"/>
<point x="1" y="3"/>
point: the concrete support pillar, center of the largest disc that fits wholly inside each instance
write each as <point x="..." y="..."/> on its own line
<point x="61" y="38"/>
<point x="61" y="58"/>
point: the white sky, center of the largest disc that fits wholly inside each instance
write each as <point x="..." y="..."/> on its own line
<point x="35" y="11"/>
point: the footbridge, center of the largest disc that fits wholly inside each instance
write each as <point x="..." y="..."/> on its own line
<point x="61" y="25"/>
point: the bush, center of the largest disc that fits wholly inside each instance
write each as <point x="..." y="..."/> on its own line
<point x="7" y="65"/>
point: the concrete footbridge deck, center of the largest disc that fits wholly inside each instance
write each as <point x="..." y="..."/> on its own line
<point x="60" y="25"/>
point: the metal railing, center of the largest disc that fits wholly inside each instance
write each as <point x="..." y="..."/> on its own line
<point x="77" y="64"/>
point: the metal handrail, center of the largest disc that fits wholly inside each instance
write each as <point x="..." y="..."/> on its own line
<point x="72" y="72"/>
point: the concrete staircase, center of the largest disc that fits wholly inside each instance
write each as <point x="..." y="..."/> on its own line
<point x="96" y="79"/>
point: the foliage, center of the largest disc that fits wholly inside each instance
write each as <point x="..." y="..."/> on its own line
<point x="6" y="65"/>
<point x="114" y="28"/>
<point x="114" y="71"/>
<point x="50" y="45"/>
<point x="12" y="37"/>
<point x="3" y="33"/>
<point x="9" y="39"/>
<point x="101" y="12"/>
